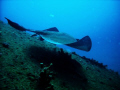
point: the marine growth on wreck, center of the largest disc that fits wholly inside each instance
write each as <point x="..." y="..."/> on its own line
<point x="28" y="63"/>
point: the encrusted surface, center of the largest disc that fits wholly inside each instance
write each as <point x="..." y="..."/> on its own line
<point x="20" y="68"/>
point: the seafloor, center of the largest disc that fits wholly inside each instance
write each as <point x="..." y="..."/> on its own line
<point x="26" y="63"/>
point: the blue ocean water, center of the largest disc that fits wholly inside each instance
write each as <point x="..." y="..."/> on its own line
<point x="100" y="19"/>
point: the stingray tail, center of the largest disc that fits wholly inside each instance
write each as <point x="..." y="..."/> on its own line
<point x="15" y="25"/>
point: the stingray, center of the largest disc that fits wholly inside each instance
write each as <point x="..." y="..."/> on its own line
<point x="53" y="35"/>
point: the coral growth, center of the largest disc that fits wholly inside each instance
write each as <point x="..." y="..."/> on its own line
<point x="45" y="78"/>
<point x="94" y="62"/>
<point x="20" y="69"/>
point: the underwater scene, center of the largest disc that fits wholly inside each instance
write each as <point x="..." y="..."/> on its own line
<point x="59" y="45"/>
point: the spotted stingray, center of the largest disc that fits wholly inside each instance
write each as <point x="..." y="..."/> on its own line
<point x="53" y="35"/>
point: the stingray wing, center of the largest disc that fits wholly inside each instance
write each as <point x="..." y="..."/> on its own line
<point x="52" y="29"/>
<point x="57" y="37"/>
<point x="83" y="44"/>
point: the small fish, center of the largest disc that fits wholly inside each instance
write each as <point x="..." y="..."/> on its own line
<point x="53" y="35"/>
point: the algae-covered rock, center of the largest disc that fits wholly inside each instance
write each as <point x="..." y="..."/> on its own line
<point x="20" y="66"/>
